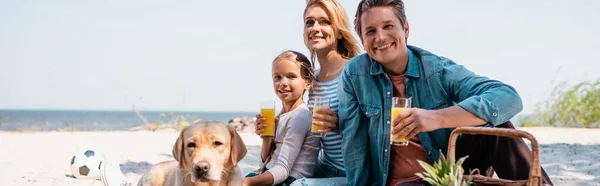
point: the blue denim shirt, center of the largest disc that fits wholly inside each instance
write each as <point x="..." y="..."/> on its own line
<point x="433" y="82"/>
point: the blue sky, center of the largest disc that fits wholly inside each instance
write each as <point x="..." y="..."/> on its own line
<point x="216" y="55"/>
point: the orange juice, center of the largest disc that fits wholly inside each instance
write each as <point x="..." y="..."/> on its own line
<point x="269" y="115"/>
<point x="315" y="128"/>
<point x="401" y="141"/>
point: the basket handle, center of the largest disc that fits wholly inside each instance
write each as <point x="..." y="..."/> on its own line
<point x="535" y="170"/>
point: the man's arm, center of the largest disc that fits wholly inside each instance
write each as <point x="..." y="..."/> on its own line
<point x="355" y="140"/>
<point x="480" y="101"/>
<point x="490" y="100"/>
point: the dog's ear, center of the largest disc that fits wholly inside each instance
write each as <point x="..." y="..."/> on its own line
<point x="238" y="148"/>
<point x="179" y="150"/>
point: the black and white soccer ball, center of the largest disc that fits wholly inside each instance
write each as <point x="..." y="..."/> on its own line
<point x="86" y="164"/>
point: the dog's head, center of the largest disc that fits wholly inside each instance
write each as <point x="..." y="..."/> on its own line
<point x="208" y="150"/>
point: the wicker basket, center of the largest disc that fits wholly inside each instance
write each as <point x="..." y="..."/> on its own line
<point x="535" y="178"/>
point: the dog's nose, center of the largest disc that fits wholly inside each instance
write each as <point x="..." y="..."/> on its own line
<point x="203" y="166"/>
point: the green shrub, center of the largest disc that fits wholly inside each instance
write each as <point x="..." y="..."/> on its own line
<point x="576" y="106"/>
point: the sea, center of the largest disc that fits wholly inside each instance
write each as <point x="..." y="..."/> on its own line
<point x="97" y="120"/>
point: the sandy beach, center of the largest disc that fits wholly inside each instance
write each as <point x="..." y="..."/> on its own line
<point x="570" y="156"/>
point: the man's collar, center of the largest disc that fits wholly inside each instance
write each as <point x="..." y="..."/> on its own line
<point x="412" y="67"/>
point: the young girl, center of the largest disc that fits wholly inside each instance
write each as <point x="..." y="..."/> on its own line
<point x="295" y="149"/>
<point x="327" y="34"/>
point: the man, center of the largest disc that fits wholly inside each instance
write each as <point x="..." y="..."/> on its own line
<point x="445" y="96"/>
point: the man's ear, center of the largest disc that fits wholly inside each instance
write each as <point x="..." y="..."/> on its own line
<point x="238" y="148"/>
<point x="406" y="28"/>
<point x="179" y="150"/>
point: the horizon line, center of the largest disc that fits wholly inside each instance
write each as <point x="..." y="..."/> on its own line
<point x="118" y="110"/>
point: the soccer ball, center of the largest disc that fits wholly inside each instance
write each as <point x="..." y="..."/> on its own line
<point x="86" y="164"/>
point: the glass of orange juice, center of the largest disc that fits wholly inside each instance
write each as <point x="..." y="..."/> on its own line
<point x="398" y="105"/>
<point x="267" y="110"/>
<point x="320" y="102"/>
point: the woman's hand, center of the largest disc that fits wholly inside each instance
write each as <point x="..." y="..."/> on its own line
<point x="412" y="121"/>
<point x="326" y="117"/>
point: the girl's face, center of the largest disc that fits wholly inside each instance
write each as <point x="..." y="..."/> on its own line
<point x="288" y="82"/>
<point x="319" y="33"/>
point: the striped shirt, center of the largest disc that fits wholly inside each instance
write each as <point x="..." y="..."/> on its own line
<point x="331" y="153"/>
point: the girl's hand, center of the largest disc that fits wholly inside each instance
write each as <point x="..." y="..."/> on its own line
<point x="260" y="126"/>
<point x="245" y="182"/>
<point x="326" y="117"/>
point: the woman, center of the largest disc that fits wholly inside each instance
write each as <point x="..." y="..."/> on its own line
<point x="328" y="36"/>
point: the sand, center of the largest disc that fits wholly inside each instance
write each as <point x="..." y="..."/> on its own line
<point x="570" y="156"/>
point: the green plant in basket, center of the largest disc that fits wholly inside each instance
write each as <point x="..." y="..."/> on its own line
<point x="445" y="173"/>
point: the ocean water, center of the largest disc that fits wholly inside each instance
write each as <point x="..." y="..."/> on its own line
<point x="86" y="120"/>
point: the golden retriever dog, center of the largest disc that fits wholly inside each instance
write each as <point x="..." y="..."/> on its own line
<point x="205" y="153"/>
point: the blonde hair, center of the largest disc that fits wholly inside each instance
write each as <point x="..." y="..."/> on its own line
<point x="347" y="45"/>
<point x="306" y="66"/>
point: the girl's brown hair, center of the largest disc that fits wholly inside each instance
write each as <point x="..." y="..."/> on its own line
<point x="306" y="66"/>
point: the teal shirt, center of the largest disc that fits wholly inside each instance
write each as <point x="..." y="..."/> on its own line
<point x="433" y="82"/>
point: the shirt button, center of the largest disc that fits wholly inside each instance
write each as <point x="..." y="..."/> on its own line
<point x="388" y="93"/>
<point x="385" y="150"/>
<point x="494" y="114"/>
<point x="388" y="122"/>
<point x="428" y="152"/>
<point x="366" y="113"/>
